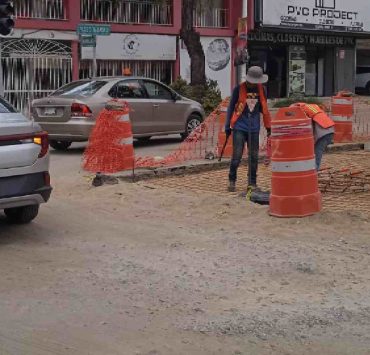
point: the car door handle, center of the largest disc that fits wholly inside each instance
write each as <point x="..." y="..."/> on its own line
<point x="156" y="106"/>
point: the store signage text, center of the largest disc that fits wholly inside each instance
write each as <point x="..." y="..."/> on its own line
<point x="322" y="15"/>
<point x="291" y="38"/>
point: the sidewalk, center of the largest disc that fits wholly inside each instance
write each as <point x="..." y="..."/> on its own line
<point x="197" y="166"/>
<point x="347" y="190"/>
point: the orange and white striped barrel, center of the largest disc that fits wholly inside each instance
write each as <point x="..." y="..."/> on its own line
<point x="294" y="184"/>
<point x="342" y="112"/>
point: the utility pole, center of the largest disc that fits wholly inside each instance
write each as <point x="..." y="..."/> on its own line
<point x="242" y="69"/>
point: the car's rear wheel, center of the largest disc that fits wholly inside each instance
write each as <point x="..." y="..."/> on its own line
<point x="60" y="145"/>
<point x="191" y="124"/>
<point x="22" y="215"/>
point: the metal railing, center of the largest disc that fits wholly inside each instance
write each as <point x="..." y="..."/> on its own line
<point x="214" y="18"/>
<point x="127" y="11"/>
<point x="33" y="69"/>
<point x="159" y="70"/>
<point x="40" y="9"/>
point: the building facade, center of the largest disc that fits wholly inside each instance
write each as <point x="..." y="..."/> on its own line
<point x="44" y="52"/>
<point x="308" y="46"/>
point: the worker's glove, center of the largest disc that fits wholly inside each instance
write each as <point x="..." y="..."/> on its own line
<point x="268" y="130"/>
<point x="228" y="131"/>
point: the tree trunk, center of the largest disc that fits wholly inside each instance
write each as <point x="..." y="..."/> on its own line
<point x="193" y="44"/>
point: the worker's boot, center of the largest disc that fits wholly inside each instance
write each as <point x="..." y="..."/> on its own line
<point x="232" y="186"/>
<point x="254" y="188"/>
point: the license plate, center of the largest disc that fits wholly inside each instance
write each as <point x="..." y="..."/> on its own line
<point x="49" y="111"/>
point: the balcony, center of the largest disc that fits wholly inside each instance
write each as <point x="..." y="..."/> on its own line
<point x="40" y="9"/>
<point x="213" y="18"/>
<point x="127" y="12"/>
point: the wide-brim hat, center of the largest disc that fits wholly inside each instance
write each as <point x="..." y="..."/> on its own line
<point x="255" y="76"/>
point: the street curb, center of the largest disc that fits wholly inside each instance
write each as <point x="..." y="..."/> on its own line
<point x="194" y="168"/>
<point x="348" y="147"/>
<point x="180" y="170"/>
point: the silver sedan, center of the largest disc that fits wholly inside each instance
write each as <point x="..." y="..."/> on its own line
<point x="69" y="114"/>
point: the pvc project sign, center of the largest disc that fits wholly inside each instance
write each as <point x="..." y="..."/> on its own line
<point x="324" y="15"/>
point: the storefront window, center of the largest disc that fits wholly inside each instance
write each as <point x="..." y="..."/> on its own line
<point x="273" y="61"/>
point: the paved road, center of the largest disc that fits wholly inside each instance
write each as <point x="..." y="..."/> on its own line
<point x="138" y="269"/>
<point x="141" y="270"/>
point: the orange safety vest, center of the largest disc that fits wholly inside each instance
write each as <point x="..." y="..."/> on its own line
<point x="242" y="103"/>
<point x="316" y="114"/>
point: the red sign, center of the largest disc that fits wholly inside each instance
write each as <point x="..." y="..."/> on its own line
<point x="243" y="27"/>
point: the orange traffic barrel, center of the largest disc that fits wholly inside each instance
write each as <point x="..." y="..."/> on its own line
<point x="228" y="152"/>
<point x="294" y="185"/>
<point x="342" y="113"/>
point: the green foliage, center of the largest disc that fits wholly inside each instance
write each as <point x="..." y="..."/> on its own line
<point x="209" y="95"/>
<point x="294" y="99"/>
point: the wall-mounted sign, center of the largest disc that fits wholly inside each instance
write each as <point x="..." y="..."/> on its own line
<point x="292" y="38"/>
<point x="88" y="41"/>
<point x="243" y="27"/>
<point x="218" y="54"/>
<point x="92" y="29"/>
<point x="323" y="15"/>
<point x="121" y="46"/>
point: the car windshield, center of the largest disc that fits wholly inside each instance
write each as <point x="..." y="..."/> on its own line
<point x="80" y="88"/>
<point x="5" y="107"/>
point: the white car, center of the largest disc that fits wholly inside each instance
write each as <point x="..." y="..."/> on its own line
<point x="363" y="79"/>
<point x="24" y="165"/>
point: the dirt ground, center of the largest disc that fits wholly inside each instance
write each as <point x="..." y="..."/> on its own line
<point x="146" y="270"/>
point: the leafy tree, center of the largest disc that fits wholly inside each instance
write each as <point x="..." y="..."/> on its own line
<point x="188" y="33"/>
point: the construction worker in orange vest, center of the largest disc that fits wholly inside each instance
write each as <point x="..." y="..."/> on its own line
<point x="127" y="72"/>
<point x="323" y="128"/>
<point x="248" y="102"/>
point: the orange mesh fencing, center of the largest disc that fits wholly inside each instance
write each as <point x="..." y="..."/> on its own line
<point x="110" y="148"/>
<point x="106" y="153"/>
<point x="361" y="119"/>
<point x="205" y="142"/>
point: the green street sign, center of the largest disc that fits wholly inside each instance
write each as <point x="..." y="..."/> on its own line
<point x="90" y="29"/>
<point x="88" y="41"/>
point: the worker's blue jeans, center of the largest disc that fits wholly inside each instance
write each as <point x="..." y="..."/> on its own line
<point x="320" y="148"/>
<point x="239" y="140"/>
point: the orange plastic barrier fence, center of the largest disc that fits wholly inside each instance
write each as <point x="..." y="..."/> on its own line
<point x="110" y="148"/>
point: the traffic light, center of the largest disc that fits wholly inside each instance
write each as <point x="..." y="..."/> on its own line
<point x="6" y="17"/>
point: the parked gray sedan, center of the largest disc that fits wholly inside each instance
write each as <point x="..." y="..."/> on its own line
<point x="69" y="114"/>
<point x="24" y="165"/>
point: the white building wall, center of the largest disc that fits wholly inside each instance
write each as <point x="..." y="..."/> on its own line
<point x="218" y="62"/>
